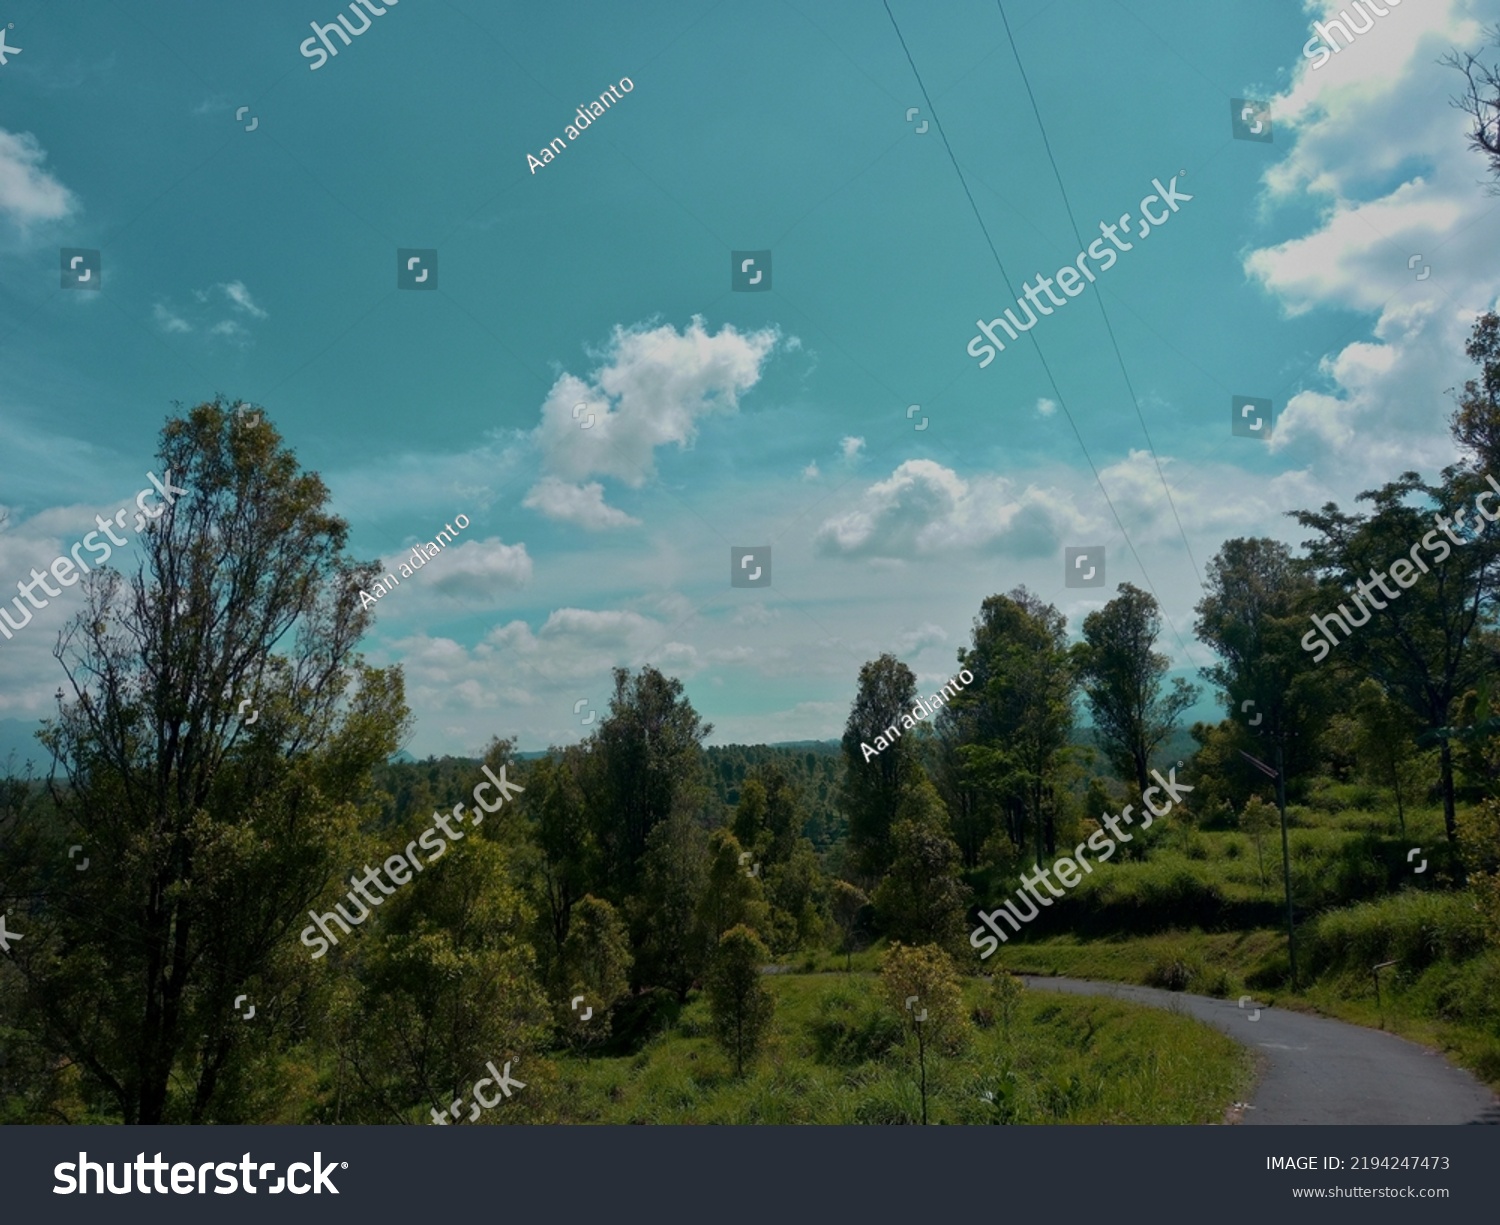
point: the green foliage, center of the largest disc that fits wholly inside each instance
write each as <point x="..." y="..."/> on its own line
<point x="665" y="931"/>
<point x="928" y="973"/>
<point x="731" y="896"/>
<point x="1414" y="928"/>
<point x="596" y="962"/>
<point x="1016" y="717"/>
<point x="741" y="1006"/>
<point x="207" y="841"/>
<point x="921" y="899"/>
<point x="1123" y="677"/>
<point x="872" y="788"/>
<point x="1479" y="835"/>
<point x="853" y="1028"/>
<point x="446" y="981"/>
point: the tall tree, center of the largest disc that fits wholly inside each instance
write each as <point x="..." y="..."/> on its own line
<point x="208" y="834"/>
<point x="1123" y="677"/>
<point x="921" y="900"/>
<point x="875" y="781"/>
<point x="1253" y="615"/>
<point x="1022" y="698"/>
<point x="651" y="768"/>
<point x="668" y="949"/>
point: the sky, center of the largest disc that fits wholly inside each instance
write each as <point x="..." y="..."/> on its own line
<point x="908" y="169"/>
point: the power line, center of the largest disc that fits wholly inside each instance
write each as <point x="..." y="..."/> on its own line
<point x="1051" y="378"/>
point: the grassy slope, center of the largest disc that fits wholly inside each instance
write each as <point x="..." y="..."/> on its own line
<point x="837" y="1054"/>
<point x="1196" y="916"/>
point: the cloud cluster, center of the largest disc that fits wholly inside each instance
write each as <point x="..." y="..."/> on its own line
<point x="1388" y="165"/>
<point x="923" y="508"/>
<point x="652" y="388"/>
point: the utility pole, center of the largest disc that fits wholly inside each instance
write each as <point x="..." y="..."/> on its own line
<point x="1279" y="774"/>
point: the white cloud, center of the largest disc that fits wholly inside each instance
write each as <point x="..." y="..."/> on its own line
<point x="925" y="508"/>
<point x="850" y="447"/>
<point x="28" y="193"/>
<point x="1412" y="189"/>
<point x="479" y="571"/>
<point x="236" y="292"/>
<point x="811" y="473"/>
<point x="168" y="322"/>
<point x="581" y="505"/>
<point x="1045" y="407"/>
<point x="653" y="388"/>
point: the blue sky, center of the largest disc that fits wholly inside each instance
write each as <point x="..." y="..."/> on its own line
<point x="261" y="264"/>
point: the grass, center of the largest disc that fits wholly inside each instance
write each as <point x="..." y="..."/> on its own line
<point x="1195" y="916"/>
<point x="839" y="1054"/>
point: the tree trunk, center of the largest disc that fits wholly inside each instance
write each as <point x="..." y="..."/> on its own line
<point x="1450" y="820"/>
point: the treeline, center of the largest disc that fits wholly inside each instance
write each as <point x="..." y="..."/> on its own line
<point x="157" y="880"/>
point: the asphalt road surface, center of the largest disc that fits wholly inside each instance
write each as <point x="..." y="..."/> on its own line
<point x="1314" y="1070"/>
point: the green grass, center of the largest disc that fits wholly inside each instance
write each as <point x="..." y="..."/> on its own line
<point x="839" y="1054"/>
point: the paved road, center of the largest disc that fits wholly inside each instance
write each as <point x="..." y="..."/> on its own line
<point x="1313" y="1070"/>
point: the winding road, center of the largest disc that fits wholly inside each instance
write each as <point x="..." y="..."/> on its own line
<point x="1314" y="1070"/>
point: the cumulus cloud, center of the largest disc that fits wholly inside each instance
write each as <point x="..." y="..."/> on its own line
<point x="850" y="447"/>
<point x="811" y="473"/>
<point x="1045" y="407"/>
<point x="1388" y="169"/>
<point x="924" y="508"/>
<point x="580" y="505"/>
<point x="28" y="193"/>
<point x="653" y="387"/>
<point x="480" y="571"/>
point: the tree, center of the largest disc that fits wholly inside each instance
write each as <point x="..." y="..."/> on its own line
<point x="651" y="766"/>
<point x="921" y="900"/>
<point x="798" y="892"/>
<point x="1022" y="700"/>
<point x="555" y="796"/>
<point x="1480" y="829"/>
<point x="1480" y="100"/>
<point x="873" y="785"/>
<point x="1425" y="647"/>
<point x="446" y="982"/>
<point x="1123" y="677"/>
<point x="848" y="905"/>
<point x="732" y="896"/>
<point x="1257" y="818"/>
<point x="922" y="984"/>
<point x="1385" y="743"/>
<point x="738" y="1002"/>
<point x="208" y="836"/>
<point x="666" y="938"/>
<point x="596" y="964"/>
<point x="1252" y="616"/>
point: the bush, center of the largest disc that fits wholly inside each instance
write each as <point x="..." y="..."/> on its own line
<point x="1414" y="928"/>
